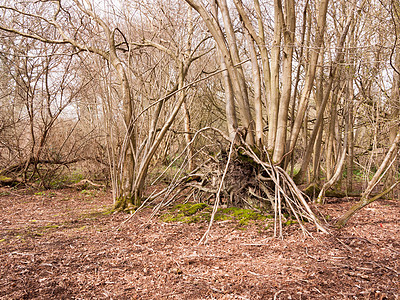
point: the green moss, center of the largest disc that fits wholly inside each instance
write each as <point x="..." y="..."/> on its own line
<point x="47" y="194"/>
<point x="243" y="216"/>
<point x="192" y="219"/>
<point x="109" y="211"/>
<point x="51" y="226"/>
<point x="126" y="204"/>
<point x="220" y="216"/>
<point x="170" y="217"/>
<point x="290" y="222"/>
<point x="76" y="177"/>
<point x="5" y="179"/>
<point x="201" y="212"/>
<point x="242" y="156"/>
<point x="189" y="209"/>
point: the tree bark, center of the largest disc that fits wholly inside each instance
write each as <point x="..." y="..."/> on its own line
<point x="283" y="113"/>
<point x="257" y="90"/>
<point x="275" y="63"/>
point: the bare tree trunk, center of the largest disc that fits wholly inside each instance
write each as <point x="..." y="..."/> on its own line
<point x="282" y="122"/>
<point x="260" y="41"/>
<point x="338" y="172"/>
<point x="321" y="23"/>
<point x="275" y="63"/>
<point x="257" y="90"/>
<point x="263" y="53"/>
<point x="395" y="92"/>
<point x="319" y="93"/>
<point x="142" y="170"/>
<point x="229" y="102"/>
<point x="332" y="76"/>
<point x="187" y="121"/>
<point x="188" y="136"/>
<point x="305" y="137"/>
<point x="350" y="135"/>
<point x="238" y="89"/>
<point x="305" y="43"/>
<point x="128" y="149"/>
<point x="330" y="153"/>
<point x="244" y="103"/>
<point x="230" y="109"/>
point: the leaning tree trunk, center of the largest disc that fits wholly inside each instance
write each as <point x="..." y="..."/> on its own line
<point x="273" y="105"/>
<point x="257" y="91"/>
<point x="259" y="38"/>
<point x="365" y="197"/>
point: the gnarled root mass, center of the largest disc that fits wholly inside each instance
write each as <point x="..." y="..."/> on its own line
<point x="239" y="177"/>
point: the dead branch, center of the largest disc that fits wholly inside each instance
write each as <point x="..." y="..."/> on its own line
<point x="217" y="197"/>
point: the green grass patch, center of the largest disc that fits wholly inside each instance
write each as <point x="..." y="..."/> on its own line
<point x="289" y="222"/>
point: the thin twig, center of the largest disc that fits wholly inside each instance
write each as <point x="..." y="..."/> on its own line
<point x="217" y="198"/>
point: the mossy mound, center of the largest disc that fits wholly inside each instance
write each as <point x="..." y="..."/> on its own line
<point x="201" y="212"/>
<point x="189" y="209"/>
<point x="8" y="181"/>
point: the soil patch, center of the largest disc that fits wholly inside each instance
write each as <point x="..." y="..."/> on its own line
<point x="58" y="244"/>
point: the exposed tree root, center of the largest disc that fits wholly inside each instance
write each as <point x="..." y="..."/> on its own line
<point x="241" y="178"/>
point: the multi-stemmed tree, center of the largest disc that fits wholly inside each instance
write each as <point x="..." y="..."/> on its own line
<point x="302" y="82"/>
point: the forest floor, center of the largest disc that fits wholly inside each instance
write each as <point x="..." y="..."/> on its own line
<point x="58" y="244"/>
